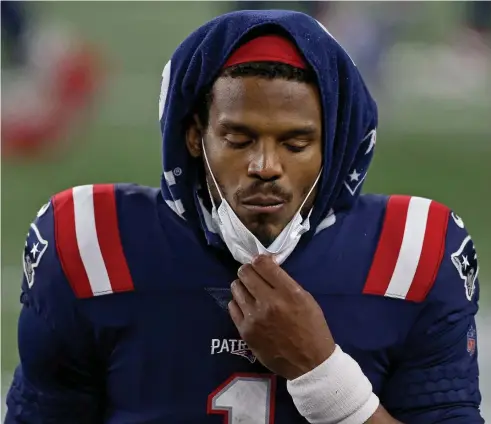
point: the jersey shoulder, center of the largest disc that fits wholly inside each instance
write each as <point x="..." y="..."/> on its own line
<point x="457" y="282"/>
<point x="84" y="227"/>
<point x="422" y="251"/>
<point x="409" y="246"/>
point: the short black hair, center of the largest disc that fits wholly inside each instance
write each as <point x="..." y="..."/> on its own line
<point x="267" y="70"/>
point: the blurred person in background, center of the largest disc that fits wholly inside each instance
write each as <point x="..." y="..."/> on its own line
<point x="460" y="65"/>
<point x="478" y="19"/>
<point x="472" y="42"/>
<point x="369" y="31"/>
<point x="49" y="77"/>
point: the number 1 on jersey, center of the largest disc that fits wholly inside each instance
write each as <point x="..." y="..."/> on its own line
<point x="245" y="398"/>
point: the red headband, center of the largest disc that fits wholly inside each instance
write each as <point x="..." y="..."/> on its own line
<point x="267" y="48"/>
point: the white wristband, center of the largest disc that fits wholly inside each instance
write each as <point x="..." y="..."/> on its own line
<point x="335" y="392"/>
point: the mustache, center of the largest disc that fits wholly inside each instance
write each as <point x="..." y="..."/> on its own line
<point x="271" y="188"/>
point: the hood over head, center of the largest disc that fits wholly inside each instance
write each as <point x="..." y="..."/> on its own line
<point x="349" y="112"/>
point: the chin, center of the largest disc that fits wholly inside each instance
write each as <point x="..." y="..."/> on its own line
<point x="267" y="241"/>
<point x="265" y="233"/>
<point x="265" y="227"/>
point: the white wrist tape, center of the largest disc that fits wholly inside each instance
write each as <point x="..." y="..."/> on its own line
<point x="335" y="392"/>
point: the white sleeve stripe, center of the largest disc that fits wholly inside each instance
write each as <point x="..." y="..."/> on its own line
<point x="411" y="248"/>
<point x="87" y="240"/>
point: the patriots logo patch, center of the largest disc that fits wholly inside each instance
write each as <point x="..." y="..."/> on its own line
<point x="222" y="296"/>
<point x="245" y="353"/>
<point x="465" y="260"/>
<point x="34" y="249"/>
<point x="362" y="160"/>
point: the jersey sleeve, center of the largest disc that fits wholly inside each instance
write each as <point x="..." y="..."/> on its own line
<point x="437" y="378"/>
<point x="58" y="379"/>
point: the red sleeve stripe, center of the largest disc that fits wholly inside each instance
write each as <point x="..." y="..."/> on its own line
<point x="90" y="245"/>
<point x="107" y="229"/>
<point x="67" y="246"/>
<point x="432" y="252"/>
<point x="409" y="251"/>
<point x="389" y="244"/>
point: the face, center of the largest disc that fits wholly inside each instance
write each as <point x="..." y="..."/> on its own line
<point x="264" y="147"/>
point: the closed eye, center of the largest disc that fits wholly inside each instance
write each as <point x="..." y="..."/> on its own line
<point x="296" y="146"/>
<point x="237" y="143"/>
<point x="295" y="149"/>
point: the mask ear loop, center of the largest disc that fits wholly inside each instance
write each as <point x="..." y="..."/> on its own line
<point x="212" y="176"/>
<point x="309" y="193"/>
<point x="303" y="203"/>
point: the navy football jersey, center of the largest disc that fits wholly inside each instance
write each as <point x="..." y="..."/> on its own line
<point x="124" y="316"/>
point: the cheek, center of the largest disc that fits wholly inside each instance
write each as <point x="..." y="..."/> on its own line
<point x="227" y="169"/>
<point x="308" y="169"/>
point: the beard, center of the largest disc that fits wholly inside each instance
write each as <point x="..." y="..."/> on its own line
<point x="263" y="231"/>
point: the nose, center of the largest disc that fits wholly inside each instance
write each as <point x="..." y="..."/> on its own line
<point x="265" y="163"/>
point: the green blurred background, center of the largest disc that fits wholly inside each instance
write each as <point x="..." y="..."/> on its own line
<point x="434" y="135"/>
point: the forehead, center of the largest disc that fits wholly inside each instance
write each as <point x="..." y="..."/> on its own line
<point x="265" y="100"/>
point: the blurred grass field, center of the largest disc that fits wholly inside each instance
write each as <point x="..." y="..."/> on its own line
<point x="437" y="150"/>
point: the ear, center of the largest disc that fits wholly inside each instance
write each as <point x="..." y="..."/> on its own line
<point x="194" y="135"/>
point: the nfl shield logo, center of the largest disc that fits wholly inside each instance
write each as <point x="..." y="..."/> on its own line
<point x="471" y="340"/>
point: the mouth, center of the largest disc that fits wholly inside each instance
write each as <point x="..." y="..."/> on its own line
<point x="263" y="204"/>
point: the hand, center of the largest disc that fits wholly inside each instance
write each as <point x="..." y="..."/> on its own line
<point x="281" y="322"/>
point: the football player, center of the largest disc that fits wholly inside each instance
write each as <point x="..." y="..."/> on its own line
<point x="255" y="285"/>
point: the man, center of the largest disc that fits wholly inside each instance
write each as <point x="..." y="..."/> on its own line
<point x="163" y="305"/>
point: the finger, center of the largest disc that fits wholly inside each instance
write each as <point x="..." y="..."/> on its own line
<point x="235" y="313"/>
<point x="242" y="297"/>
<point x="255" y="284"/>
<point x="270" y="271"/>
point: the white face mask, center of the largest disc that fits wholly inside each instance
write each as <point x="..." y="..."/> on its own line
<point x="244" y="245"/>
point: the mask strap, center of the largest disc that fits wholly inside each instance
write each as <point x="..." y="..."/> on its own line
<point x="309" y="193"/>
<point x="212" y="176"/>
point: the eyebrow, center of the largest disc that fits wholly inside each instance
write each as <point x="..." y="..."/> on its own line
<point x="307" y="130"/>
<point x="235" y="127"/>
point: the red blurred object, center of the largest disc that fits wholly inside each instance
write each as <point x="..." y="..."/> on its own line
<point x="70" y="87"/>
